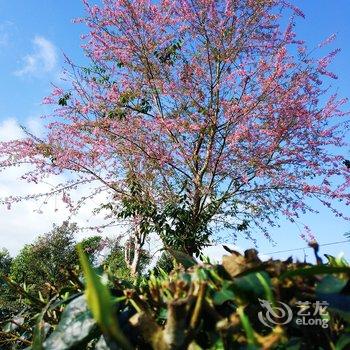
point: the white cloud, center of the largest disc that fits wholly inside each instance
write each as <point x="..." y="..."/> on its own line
<point x="5" y="33"/>
<point x="35" y="126"/>
<point x="9" y="130"/>
<point x="42" y="60"/>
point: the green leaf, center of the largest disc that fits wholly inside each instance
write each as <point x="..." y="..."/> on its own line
<point x="338" y="302"/>
<point x="100" y="302"/>
<point x="265" y="281"/>
<point x="249" y="331"/>
<point x="38" y="335"/>
<point x="219" y="345"/>
<point x="41" y="328"/>
<point x="343" y="342"/>
<point x="62" y="101"/>
<point x="75" y="329"/>
<point x="336" y="261"/>
<point x="162" y="315"/>
<point x="329" y="290"/>
<point x="251" y="284"/>
<point x="223" y="295"/>
<point x="330" y="284"/>
<point x="182" y="258"/>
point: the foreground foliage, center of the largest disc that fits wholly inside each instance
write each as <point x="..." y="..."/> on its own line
<point x="195" y="306"/>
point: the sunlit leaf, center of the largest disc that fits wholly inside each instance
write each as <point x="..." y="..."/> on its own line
<point x="182" y="258"/>
<point x="100" y="302"/>
<point x="76" y="328"/>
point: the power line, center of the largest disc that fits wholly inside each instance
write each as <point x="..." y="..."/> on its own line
<point x="307" y="247"/>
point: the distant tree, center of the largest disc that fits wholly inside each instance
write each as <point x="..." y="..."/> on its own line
<point x="5" y="261"/>
<point x="5" y="267"/>
<point x="116" y="265"/>
<point x="164" y="262"/>
<point x="209" y="99"/>
<point x="119" y="260"/>
<point x="92" y="246"/>
<point x="43" y="264"/>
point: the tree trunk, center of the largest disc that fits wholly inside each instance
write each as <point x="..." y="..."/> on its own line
<point x="132" y="255"/>
<point x="134" y="267"/>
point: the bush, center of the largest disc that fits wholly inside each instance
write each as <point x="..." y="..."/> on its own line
<point x="238" y="304"/>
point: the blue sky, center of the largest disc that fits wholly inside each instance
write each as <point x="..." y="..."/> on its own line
<point x="33" y="36"/>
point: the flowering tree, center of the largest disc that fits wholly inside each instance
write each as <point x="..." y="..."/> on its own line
<point x="217" y="111"/>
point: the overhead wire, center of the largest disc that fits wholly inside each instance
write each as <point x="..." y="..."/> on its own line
<point x="307" y="247"/>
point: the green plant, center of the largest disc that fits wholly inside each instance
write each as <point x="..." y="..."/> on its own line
<point x="205" y="306"/>
<point x="91" y="246"/>
<point x="43" y="265"/>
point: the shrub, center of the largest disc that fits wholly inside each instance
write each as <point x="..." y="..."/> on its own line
<point x="238" y="304"/>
